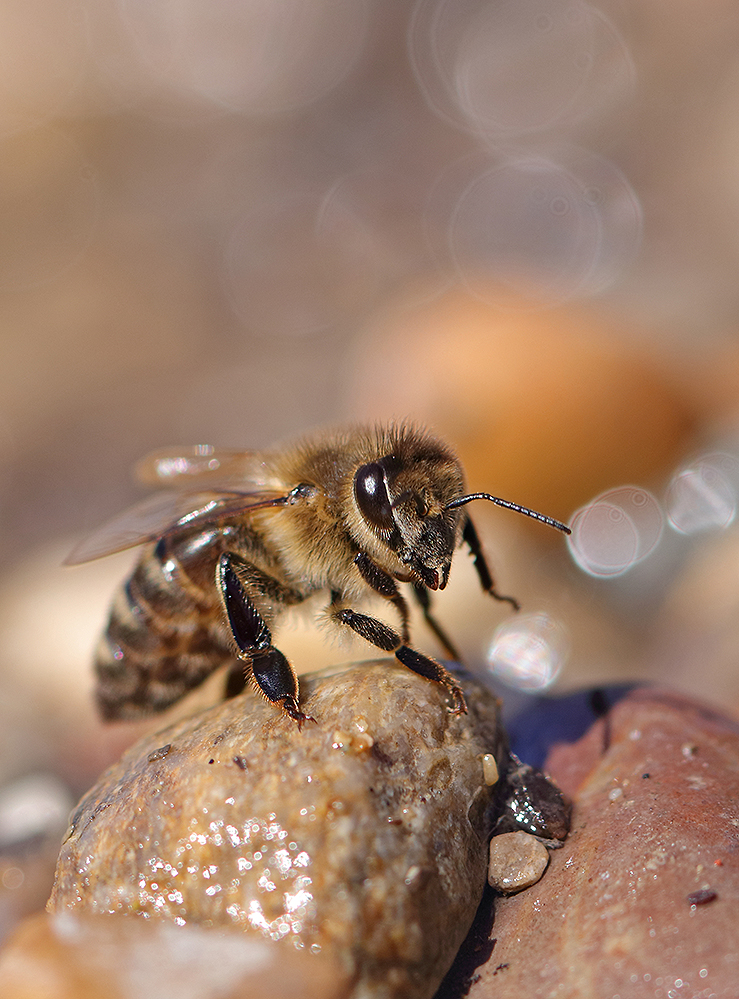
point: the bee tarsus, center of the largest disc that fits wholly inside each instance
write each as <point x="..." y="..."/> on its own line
<point x="382" y="636"/>
<point x="432" y="670"/>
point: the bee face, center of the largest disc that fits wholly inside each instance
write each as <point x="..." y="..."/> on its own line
<point x="403" y="503"/>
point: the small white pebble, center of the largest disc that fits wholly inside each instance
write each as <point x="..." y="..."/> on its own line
<point x="489" y="769"/>
<point x="517" y="861"/>
<point x="615" y="794"/>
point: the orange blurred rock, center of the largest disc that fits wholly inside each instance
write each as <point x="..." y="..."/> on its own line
<point x="74" y="956"/>
<point x="642" y="899"/>
<point x="547" y="407"/>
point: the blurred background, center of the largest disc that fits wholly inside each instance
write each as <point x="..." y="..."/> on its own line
<point x="514" y="220"/>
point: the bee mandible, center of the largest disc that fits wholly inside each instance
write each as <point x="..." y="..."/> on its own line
<point x="233" y="538"/>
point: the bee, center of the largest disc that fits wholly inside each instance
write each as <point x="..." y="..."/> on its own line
<point x="234" y="538"/>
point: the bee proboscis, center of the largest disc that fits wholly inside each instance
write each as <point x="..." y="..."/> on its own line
<point x="233" y="538"/>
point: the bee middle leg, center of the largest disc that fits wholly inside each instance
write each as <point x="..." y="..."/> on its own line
<point x="424" y="601"/>
<point x="266" y="666"/>
<point x="382" y="636"/>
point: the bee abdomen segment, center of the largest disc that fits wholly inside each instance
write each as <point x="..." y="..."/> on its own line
<point x="164" y="636"/>
<point x="141" y="629"/>
<point x="129" y="688"/>
<point x="178" y="575"/>
<point x="159" y="610"/>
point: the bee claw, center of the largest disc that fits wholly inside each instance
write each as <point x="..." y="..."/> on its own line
<point x="460" y="704"/>
<point x="291" y="709"/>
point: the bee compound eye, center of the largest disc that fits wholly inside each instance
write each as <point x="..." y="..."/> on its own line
<point x="372" y="498"/>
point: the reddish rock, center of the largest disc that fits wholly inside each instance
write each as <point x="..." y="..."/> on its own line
<point x="642" y="900"/>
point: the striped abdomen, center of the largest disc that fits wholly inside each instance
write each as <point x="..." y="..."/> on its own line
<point x="165" y="634"/>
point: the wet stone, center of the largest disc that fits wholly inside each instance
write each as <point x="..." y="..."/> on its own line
<point x="362" y="837"/>
<point x="517" y="861"/>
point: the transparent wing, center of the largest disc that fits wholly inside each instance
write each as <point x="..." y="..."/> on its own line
<point x="203" y="466"/>
<point x="165" y="512"/>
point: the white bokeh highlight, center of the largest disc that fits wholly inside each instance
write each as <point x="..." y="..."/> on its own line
<point x="518" y="67"/>
<point x="34" y="805"/>
<point x="560" y="227"/>
<point x="542" y="217"/>
<point x="616" y="531"/>
<point x="256" y="56"/>
<point x="528" y="652"/>
<point x="703" y="496"/>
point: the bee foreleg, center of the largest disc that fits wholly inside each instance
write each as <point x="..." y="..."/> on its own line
<point x="424" y="599"/>
<point x="384" y="584"/>
<point x="267" y="668"/>
<point x="472" y="540"/>
<point x="382" y="636"/>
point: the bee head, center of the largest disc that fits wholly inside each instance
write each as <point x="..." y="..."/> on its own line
<point x="406" y="508"/>
<point x="403" y="504"/>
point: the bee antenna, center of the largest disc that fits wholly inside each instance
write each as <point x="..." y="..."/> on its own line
<point x="550" y="521"/>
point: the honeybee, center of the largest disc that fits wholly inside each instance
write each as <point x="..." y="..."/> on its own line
<point x="236" y="537"/>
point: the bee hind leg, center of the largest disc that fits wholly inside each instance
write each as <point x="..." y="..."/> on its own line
<point x="382" y="636"/>
<point x="267" y="668"/>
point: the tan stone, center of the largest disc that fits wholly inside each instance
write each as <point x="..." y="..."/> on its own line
<point x="362" y="836"/>
<point x="517" y="861"/>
